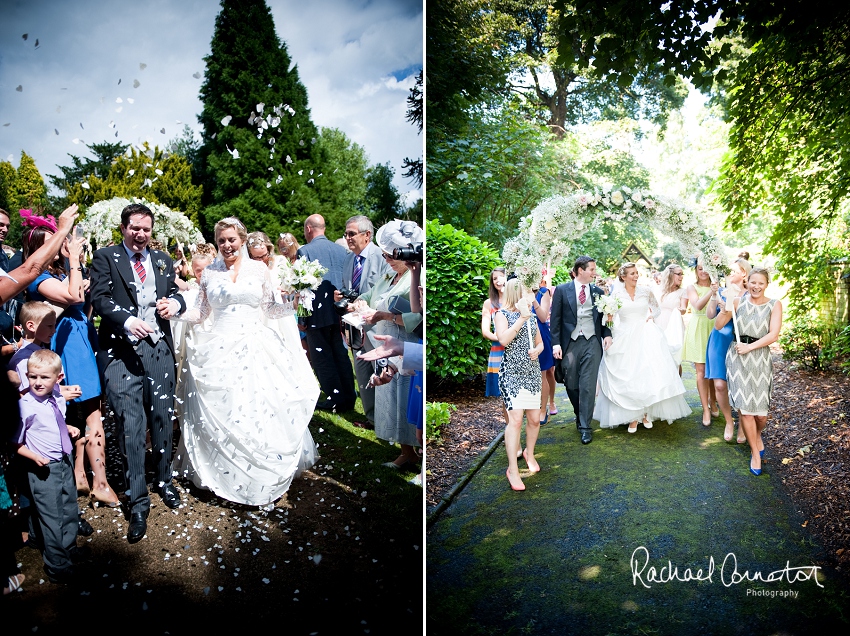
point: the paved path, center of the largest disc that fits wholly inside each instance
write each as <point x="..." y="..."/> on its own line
<point x="555" y="559"/>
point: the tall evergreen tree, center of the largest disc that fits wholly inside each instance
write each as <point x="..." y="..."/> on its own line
<point x="250" y="79"/>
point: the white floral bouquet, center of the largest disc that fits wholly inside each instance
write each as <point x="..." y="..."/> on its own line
<point x="608" y="305"/>
<point x="303" y="276"/>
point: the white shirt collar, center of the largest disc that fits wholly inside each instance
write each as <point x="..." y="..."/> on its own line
<point x="131" y="254"/>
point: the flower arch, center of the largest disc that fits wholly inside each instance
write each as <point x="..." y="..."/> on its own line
<point x="546" y="234"/>
<point x="104" y="217"/>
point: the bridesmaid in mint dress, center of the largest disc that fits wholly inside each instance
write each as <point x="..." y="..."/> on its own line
<point x="696" y="337"/>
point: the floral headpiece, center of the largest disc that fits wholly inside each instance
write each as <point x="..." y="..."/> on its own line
<point x="33" y="221"/>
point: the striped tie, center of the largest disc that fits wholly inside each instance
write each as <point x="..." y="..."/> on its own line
<point x="358" y="271"/>
<point x="581" y="297"/>
<point x="140" y="269"/>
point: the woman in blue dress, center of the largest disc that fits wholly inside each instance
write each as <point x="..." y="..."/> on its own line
<point x="719" y="341"/>
<point x="540" y="306"/>
<point x="75" y="341"/>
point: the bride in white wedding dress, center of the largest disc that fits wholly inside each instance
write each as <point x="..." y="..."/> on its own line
<point x="244" y="418"/>
<point x="638" y="379"/>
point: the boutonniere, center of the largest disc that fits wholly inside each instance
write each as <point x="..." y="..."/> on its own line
<point x="160" y="265"/>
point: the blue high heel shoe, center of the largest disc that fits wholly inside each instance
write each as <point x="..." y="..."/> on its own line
<point x="761" y="453"/>
<point x="754" y="471"/>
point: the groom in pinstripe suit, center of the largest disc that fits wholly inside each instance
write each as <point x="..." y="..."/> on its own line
<point x="134" y="292"/>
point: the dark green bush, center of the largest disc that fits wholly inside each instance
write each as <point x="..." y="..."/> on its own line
<point x="808" y="341"/>
<point x="838" y="350"/>
<point x="458" y="270"/>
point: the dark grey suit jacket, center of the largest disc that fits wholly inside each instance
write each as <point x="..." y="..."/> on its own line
<point x="331" y="256"/>
<point x="374" y="267"/>
<point x="565" y="316"/>
<point x="113" y="296"/>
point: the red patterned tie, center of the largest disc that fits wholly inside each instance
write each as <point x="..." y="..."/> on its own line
<point x="140" y="269"/>
<point x="581" y="295"/>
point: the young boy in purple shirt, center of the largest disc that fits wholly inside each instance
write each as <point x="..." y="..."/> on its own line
<point x="44" y="438"/>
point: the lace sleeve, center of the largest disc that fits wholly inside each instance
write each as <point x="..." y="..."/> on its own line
<point x="271" y="308"/>
<point x="654" y="307"/>
<point x="202" y="310"/>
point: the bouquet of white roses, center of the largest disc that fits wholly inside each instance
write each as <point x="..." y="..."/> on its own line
<point x="302" y="276"/>
<point x="608" y="305"/>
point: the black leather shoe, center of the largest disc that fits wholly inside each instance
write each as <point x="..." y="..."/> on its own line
<point x="586" y="436"/>
<point x="84" y="528"/>
<point x="80" y="554"/>
<point x="138" y="527"/>
<point x="62" y="577"/>
<point x="169" y="494"/>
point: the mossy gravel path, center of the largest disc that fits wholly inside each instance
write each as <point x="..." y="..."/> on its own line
<point x="555" y="559"/>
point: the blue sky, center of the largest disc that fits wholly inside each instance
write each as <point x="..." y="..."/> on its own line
<point x="357" y="60"/>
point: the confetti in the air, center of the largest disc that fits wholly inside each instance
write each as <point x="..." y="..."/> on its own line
<point x="136" y="83"/>
<point x="20" y="88"/>
<point x="118" y="100"/>
<point x="81" y="125"/>
<point x="25" y="36"/>
<point x="162" y="130"/>
<point x="142" y="66"/>
<point x="56" y="131"/>
<point x="226" y="120"/>
<point x="196" y="75"/>
<point x="86" y="186"/>
<point x="234" y="152"/>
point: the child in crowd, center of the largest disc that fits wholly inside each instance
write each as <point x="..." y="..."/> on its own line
<point x="44" y="438"/>
<point x="38" y="321"/>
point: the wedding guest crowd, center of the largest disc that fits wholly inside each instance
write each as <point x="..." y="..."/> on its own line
<point x="638" y="377"/>
<point x="59" y="371"/>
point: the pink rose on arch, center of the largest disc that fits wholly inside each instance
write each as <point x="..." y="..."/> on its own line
<point x="649" y="204"/>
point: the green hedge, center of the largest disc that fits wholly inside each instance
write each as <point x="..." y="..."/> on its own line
<point x="459" y="266"/>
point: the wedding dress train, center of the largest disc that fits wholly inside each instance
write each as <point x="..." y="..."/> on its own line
<point x="247" y="398"/>
<point x="638" y="375"/>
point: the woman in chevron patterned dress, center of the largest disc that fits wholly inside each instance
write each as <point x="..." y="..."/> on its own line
<point x="749" y="369"/>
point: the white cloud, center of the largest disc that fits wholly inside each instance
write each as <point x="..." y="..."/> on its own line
<point x="340" y="47"/>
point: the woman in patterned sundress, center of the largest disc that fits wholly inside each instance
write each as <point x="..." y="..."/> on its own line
<point x="519" y="377"/>
<point x="749" y="370"/>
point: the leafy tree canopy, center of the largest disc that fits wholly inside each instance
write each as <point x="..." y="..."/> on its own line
<point x="567" y="92"/>
<point x="150" y="173"/>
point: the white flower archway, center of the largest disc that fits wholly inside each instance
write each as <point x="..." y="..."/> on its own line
<point x="547" y="234"/>
<point x="104" y="217"/>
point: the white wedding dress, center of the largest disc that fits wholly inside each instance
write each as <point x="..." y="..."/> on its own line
<point x="637" y="375"/>
<point x="247" y="399"/>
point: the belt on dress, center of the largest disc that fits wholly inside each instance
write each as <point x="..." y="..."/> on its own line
<point x="748" y="339"/>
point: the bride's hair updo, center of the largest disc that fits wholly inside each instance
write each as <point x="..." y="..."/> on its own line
<point x="621" y="273"/>
<point x="231" y="222"/>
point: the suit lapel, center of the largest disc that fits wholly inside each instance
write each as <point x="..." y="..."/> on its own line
<point x="160" y="281"/>
<point x="126" y="271"/>
<point x="571" y="298"/>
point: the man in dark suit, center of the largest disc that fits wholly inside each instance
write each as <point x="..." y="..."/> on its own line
<point x="324" y="340"/>
<point x="578" y="339"/>
<point x="363" y="267"/>
<point x="134" y="292"/>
